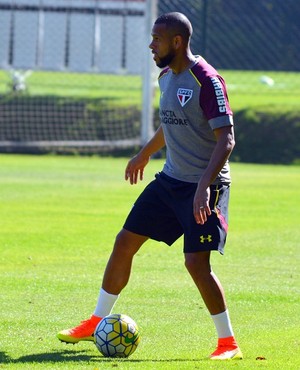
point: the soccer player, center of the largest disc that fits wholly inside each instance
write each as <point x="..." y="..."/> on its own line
<point x="190" y="195"/>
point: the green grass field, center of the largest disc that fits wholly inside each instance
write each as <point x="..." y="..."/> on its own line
<point x="244" y="87"/>
<point x="59" y="217"/>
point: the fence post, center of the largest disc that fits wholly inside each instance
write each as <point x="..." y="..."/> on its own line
<point x="204" y="27"/>
<point x="148" y="68"/>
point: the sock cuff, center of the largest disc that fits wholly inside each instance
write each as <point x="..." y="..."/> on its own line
<point x="105" y="304"/>
<point x="223" y="324"/>
<point x="108" y="295"/>
<point x="221" y="314"/>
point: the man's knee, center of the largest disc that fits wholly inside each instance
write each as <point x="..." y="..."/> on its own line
<point x="198" y="262"/>
<point x="128" y="242"/>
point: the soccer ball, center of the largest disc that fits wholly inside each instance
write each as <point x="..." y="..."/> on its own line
<point x="117" y="335"/>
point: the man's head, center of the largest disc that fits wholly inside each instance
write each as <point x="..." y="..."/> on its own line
<point x="176" y="24"/>
<point x="171" y="35"/>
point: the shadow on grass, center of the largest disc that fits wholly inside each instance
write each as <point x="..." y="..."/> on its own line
<point x="58" y="356"/>
<point x="71" y="356"/>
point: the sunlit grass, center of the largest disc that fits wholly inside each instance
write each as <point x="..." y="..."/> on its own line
<point x="59" y="217"/>
<point x="246" y="88"/>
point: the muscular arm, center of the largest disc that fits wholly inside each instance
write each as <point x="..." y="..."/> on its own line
<point x="135" y="167"/>
<point x="222" y="151"/>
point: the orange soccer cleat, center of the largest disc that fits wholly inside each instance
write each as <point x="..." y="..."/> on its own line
<point x="84" y="331"/>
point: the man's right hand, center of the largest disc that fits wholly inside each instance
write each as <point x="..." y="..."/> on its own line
<point x="135" y="168"/>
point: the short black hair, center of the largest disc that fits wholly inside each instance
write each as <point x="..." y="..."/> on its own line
<point x="177" y="23"/>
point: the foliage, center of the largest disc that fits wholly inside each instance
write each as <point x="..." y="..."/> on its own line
<point x="69" y="106"/>
<point x="263" y="136"/>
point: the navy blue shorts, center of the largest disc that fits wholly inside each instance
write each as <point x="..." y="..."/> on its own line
<point x="164" y="212"/>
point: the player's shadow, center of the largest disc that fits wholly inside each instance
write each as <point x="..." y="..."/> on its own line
<point x="71" y="356"/>
<point x="58" y="356"/>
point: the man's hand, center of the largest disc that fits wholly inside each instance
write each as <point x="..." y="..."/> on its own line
<point x="135" y="168"/>
<point x="201" y="205"/>
<point x="225" y="143"/>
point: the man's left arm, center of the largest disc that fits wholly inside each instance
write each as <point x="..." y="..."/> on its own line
<point x="224" y="146"/>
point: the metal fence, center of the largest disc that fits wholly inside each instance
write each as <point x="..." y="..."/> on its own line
<point x="244" y="34"/>
<point x="77" y="36"/>
<point x="64" y="64"/>
<point x="95" y="35"/>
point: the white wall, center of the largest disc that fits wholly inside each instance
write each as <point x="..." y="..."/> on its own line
<point x="101" y="40"/>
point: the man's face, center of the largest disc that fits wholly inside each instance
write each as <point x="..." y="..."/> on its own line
<point x="162" y="46"/>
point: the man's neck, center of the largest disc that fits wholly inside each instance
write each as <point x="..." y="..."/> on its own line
<point x="182" y="64"/>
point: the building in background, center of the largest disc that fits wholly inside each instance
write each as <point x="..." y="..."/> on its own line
<point x="82" y="35"/>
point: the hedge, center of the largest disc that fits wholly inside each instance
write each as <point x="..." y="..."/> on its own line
<point x="262" y="135"/>
<point x="267" y="137"/>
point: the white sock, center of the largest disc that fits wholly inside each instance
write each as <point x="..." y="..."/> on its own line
<point x="223" y="324"/>
<point x="105" y="304"/>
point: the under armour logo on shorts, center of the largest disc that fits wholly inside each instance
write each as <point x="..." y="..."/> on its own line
<point x="207" y="238"/>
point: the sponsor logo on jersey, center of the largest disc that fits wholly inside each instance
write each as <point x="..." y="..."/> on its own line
<point x="184" y="95"/>
<point x="169" y="117"/>
<point x="219" y="94"/>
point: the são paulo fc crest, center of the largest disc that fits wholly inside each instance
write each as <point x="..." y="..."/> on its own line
<point x="184" y="95"/>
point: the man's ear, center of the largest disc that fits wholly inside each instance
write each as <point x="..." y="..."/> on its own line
<point x="177" y="41"/>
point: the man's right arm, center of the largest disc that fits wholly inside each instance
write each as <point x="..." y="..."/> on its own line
<point x="135" y="167"/>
